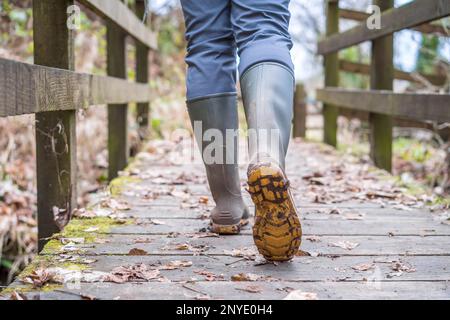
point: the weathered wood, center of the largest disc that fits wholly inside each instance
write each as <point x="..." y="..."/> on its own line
<point x="361" y="68"/>
<point x="119" y="14"/>
<point x="416" y="106"/>
<point x="118" y="151"/>
<point x="142" y="68"/>
<point x="382" y="78"/>
<point x="28" y="89"/>
<point x="300" y="112"/>
<point x="384" y="236"/>
<point x="331" y="61"/>
<point x="427" y="28"/>
<point x="165" y="245"/>
<point x="223" y="290"/>
<point x="56" y="168"/>
<point x="407" y="16"/>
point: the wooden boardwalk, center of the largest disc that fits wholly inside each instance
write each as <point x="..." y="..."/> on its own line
<point x="363" y="238"/>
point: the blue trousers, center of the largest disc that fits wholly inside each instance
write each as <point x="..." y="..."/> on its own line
<point x="219" y="30"/>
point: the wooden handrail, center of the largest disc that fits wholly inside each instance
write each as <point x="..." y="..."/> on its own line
<point x="410" y="15"/>
<point x="415" y="106"/>
<point x="361" y="68"/>
<point x="28" y="89"/>
<point x="427" y="28"/>
<point x="120" y="14"/>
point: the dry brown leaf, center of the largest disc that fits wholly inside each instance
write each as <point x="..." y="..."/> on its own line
<point x="209" y="276"/>
<point x="246" y="277"/>
<point x="313" y="238"/>
<point x="38" y="278"/>
<point x="137" y="252"/>
<point x="132" y="273"/>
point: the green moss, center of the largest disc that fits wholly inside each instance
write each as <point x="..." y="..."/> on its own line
<point x="117" y="186"/>
<point x="77" y="229"/>
<point x="24" y="289"/>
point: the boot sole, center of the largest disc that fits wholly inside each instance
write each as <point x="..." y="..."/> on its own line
<point x="227" y="229"/>
<point x="277" y="231"/>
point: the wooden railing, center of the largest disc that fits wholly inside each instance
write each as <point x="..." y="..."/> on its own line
<point x="52" y="91"/>
<point x="382" y="104"/>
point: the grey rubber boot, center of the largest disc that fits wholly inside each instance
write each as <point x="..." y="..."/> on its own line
<point x="218" y="114"/>
<point x="268" y="95"/>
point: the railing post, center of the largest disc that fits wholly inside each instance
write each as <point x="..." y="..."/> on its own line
<point x="117" y="113"/>
<point x="300" y="112"/>
<point x="382" y="75"/>
<point x="331" y="112"/>
<point x="55" y="131"/>
<point x="142" y="65"/>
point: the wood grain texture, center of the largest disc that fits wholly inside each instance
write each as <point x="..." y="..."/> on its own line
<point x="407" y="16"/>
<point x="117" y="12"/>
<point x="163" y="232"/>
<point x="142" y="70"/>
<point x="28" y="89"/>
<point x="331" y="64"/>
<point x="427" y="28"/>
<point x="56" y="168"/>
<point x="360" y="68"/>
<point x="416" y="106"/>
<point x="382" y="78"/>
<point x="300" y="112"/>
<point x="118" y="150"/>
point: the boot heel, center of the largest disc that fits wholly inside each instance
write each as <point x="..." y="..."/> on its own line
<point x="277" y="230"/>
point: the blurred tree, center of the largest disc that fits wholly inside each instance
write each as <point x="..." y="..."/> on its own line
<point x="428" y="54"/>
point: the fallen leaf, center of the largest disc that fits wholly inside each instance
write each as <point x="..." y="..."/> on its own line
<point x="251" y="289"/>
<point x="132" y="273"/>
<point x="172" y="265"/>
<point x="137" y="252"/>
<point x="313" y="238"/>
<point x="363" y="267"/>
<point x="209" y="276"/>
<point x="120" y="205"/>
<point x="300" y="295"/>
<point x="246" y="277"/>
<point x="38" y="278"/>
<point x="347" y="245"/>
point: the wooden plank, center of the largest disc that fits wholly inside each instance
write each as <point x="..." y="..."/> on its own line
<point x="223" y="290"/>
<point x="56" y="168"/>
<point x="361" y="68"/>
<point x="312" y="269"/>
<point x="407" y="16"/>
<point x="28" y="89"/>
<point x="427" y="28"/>
<point x="323" y="245"/>
<point x="331" y="61"/>
<point x="118" y="13"/>
<point x="118" y="151"/>
<point x="416" y="106"/>
<point x="300" y="112"/>
<point x="310" y="227"/>
<point x="382" y="78"/>
<point x="142" y="69"/>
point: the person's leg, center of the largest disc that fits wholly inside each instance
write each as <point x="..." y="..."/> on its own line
<point x="267" y="84"/>
<point x="212" y="105"/>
